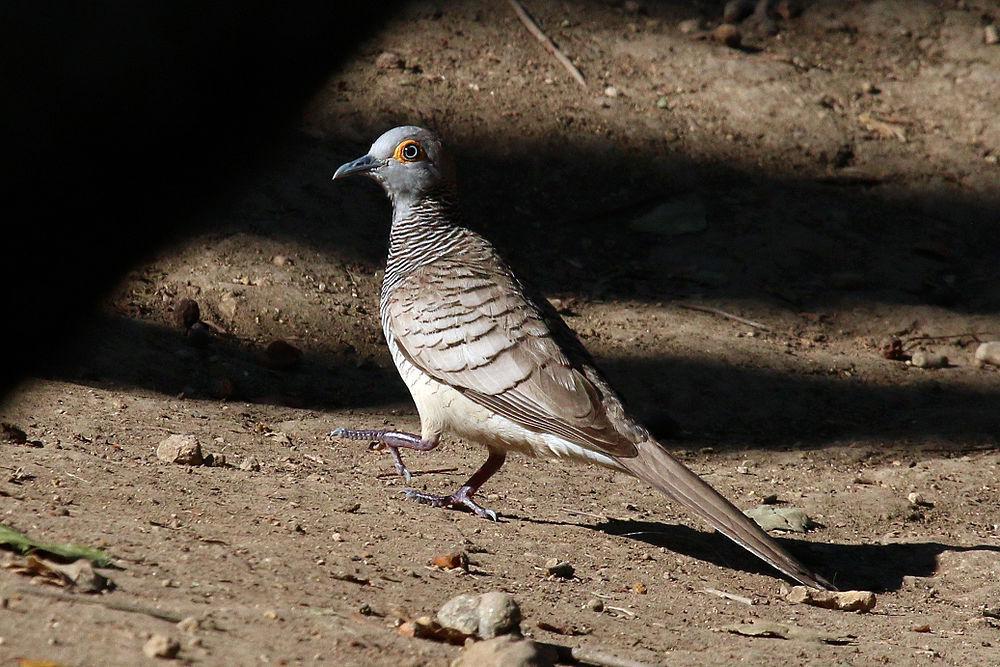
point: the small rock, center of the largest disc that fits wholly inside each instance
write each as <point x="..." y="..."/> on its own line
<point x="499" y="614"/>
<point x="595" y="604"/>
<point x="249" y="463"/>
<point x="928" y="360"/>
<point x="728" y="34"/>
<point x="891" y="347"/>
<point x="199" y="334"/>
<point x="770" y="499"/>
<point x="559" y="568"/>
<point x="281" y="355"/>
<point x="13" y="434"/>
<point x="917" y="500"/>
<point x="389" y="60"/>
<point x="611" y="91"/>
<point x="869" y="88"/>
<point x="859" y="601"/>
<point x="227" y="306"/>
<point x="737" y="10"/>
<point x="282" y="260"/>
<point x="161" y="646"/>
<point x="181" y="449"/>
<point x="991" y="35"/>
<point x="988" y="353"/>
<point x="223" y="387"/>
<point x="189" y="625"/>
<point x="790" y="519"/>
<point x="187" y="313"/>
<point x="663" y="102"/>
<point x="505" y="652"/>
<point x="485" y="616"/>
<point x="690" y="26"/>
<point x="788" y="9"/>
<point x="461" y="613"/>
<point x="921" y="628"/>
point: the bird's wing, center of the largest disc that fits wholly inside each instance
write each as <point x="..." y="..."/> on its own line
<point x="470" y="326"/>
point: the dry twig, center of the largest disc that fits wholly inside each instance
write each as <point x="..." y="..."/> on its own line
<point x="722" y="313"/>
<point x="103" y="601"/>
<point x="544" y="40"/>
<point x="728" y="596"/>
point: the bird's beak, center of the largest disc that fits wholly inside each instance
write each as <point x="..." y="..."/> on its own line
<point x="362" y="165"/>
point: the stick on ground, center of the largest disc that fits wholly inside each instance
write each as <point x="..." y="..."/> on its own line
<point x="549" y="45"/>
<point x="722" y="313"/>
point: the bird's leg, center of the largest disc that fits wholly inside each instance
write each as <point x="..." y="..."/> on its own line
<point x="393" y="440"/>
<point x="462" y="499"/>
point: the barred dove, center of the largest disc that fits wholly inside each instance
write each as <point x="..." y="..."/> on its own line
<point x="488" y="361"/>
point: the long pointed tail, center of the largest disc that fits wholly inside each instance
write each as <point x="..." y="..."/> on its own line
<point x="656" y="466"/>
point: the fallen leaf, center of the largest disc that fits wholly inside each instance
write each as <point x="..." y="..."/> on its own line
<point x="452" y="561"/>
<point x="779" y="631"/>
<point x="23" y="544"/>
<point x="427" y="628"/>
<point x="860" y="601"/>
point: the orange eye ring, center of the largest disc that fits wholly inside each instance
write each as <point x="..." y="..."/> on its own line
<point x="409" y="151"/>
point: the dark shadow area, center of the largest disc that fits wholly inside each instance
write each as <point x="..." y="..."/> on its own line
<point x="724" y="405"/>
<point x="869" y="567"/>
<point x="122" y="352"/>
<point x="124" y="120"/>
<point x="119" y="156"/>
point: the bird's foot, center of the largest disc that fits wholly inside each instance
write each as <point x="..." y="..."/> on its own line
<point x="459" y="500"/>
<point x="391" y="440"/>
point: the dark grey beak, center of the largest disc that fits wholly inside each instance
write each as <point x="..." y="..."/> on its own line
<point x="362" y="165"/>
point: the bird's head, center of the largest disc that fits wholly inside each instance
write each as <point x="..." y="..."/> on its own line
<point x="408" y="162"/>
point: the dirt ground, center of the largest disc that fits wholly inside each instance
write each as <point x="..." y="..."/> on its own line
<point x="836" y="182"/>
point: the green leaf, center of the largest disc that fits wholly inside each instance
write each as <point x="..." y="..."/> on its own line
<point x="23" y="544"/>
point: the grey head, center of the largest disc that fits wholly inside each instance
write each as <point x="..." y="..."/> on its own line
<point x="409" y="162"/>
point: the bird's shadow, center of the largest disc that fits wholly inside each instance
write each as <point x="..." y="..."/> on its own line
<point x="870" y="567"/>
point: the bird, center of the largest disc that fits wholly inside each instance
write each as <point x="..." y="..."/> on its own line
<point x="487" y="359"/>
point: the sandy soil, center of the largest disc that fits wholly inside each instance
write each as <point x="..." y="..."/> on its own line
<point x="837" y="182"/>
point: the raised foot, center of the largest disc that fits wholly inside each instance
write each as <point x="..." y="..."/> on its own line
<point x="459" y="501"/>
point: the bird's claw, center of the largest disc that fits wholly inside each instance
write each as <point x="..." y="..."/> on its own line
<point x="457" y="501"/>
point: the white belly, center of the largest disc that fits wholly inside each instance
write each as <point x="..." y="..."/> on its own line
<point x="445" y="410"/>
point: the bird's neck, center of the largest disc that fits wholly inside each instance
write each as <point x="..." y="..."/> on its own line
<point x="423" y="230"/>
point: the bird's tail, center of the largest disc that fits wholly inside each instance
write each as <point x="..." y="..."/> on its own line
<point x="656" y="466"/>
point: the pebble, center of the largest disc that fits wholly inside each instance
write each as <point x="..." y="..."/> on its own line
<point x="991" y="35"/>
<point x="928" y="360"/>
<point x="186" y="313"/>
<point x="788" y="9"/>
<point x="690" y="26"/>
<point x="790" y="519"/>
<point x="389" y="60"/>
<point x="281" y="355"/>
<point x="505" y="652"/>
<point x="859" y="601"/>
<point x="281" y="260"/>
<point x="485" y="616"/>
<point x="559" y="568"/>
<point x="595" y="604"/>
<point x="728" y="34"/>
<point x="988" y="353"/>
<point x="182" y="449"/>
<point x="869" y="88"/>
<point x="736" y="10"/>
<point x="249" y="463"/>
<point x="611" y="91"/>
<point x="161" y="646"/>
<point x="188" y="624"/>
<point x="199" y="335"/>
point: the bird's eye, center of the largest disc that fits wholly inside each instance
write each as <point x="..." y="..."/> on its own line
<point x="409" y="151"/>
